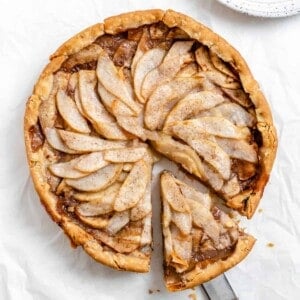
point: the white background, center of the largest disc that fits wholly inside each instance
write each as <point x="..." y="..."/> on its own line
<point x="36" y="261"/>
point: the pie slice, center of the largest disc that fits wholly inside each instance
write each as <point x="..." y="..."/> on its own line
<point x="111" y="97"/>
<point x="200" y="240"/>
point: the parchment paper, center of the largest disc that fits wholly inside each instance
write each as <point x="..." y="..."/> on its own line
<point x="36" y="260"/>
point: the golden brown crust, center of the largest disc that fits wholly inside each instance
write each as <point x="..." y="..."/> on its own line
<point x="130" y="20"/>
<point x="200" y="275"/>
<point x="113" y="25"/>
<point x="247" y="202"/>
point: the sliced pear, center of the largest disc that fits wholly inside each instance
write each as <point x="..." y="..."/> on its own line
<point x="141" y="48"/>
<point x="183" y="221"/>
<point x="117" y="222"/>
<point x="77" y="101"/>
<point x="127" y="167"/>
<point x="72" y="83"/>
<point x="181" y="154"/>
<point x="119" y="245"/>
<point x="132" y="125"/>
<point x="203" y="218"/>
<point x="102" y="197"/>
<point x="102" y="121"/>
<point x="134" y="186"/>
<point x="214" y="155"/>
<point x="165" y="97"/>
<point x="125" y="155"/>
<point x="167" y="215"/>
<point x="66" y="169"/>
<point x="91" y="162"/>
<point x="220" y="65"/>
<point x="98" y="180"/>
<point x="95" y="222"/>
<point x="213" y="177"/>
<point x="47" y="109"/>
<point x="239" y="96"/>
<point x="123" y="175"/>
<point x="231" y="187"/>
<point x="232" y="112"/>
<point x="171" y="193"/>
<point x="86" y="143"/>
<point x="203" y="59"/>
<point x="56" y="142"/>
<point x="190" y="70"/>
<point x="69" y="112"/>
<point x="146" y="235"/>
<point x="212" y="125"/>
<point x="171" y="64"/>
<point x="150" y="60"/>
<point x="222" y="80"/>
<point x="110" y="78"/>
<point x="193" y="194"/>
<point x="191" y="105"/>
<point x="91" y="209"/>
<point x="143" y="207"/>
<point x="239" y="149"/>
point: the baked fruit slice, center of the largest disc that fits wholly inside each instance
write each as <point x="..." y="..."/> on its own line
<point x="200" y="240"/>
<point x="143" y="81"/>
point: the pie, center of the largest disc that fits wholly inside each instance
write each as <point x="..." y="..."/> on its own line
<point x="116" y="97"/>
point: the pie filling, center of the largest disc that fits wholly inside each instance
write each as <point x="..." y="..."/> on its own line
<point x="121" y="96"/>
<point x="196" y="232"/>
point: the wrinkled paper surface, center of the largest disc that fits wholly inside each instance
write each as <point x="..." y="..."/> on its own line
<point x="36" y="260"/>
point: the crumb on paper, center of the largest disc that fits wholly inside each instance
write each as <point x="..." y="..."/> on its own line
<point x="260" y="210"/>
<point x="270" y="245"/>
<point x="150" y="291"/>
<point x="193" y="296"/>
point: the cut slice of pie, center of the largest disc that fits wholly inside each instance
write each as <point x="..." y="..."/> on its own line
<point x="200" y="240"/>
<point x="143" y="81"/>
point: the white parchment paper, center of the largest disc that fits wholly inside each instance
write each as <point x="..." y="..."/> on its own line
<point x="36" y="260"/>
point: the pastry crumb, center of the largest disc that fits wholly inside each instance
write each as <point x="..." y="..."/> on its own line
<point x="150" y="291"/>
<point x="193" y="296"/>
<point x="270" y="245"/>
<point x="260" y="210"/>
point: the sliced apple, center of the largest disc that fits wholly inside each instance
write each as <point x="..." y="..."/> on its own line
<point x="117" y="222"/>
<point x="183" y="221"/>
<point x="125" y="155"/>
<point x="239" y="149"/>
<point x="69" y="112"/>
<point x="165" y="97"/>
<point x="102" y="197"/>
<point x="56" y="142"/>
<point x="150" y="60"/>
<point x="171" y="193"/>
<point x="143" y="207"/>
<point x="98" y="180"/>
<point x="91" y="162"/>
<point x="212" y="125"/>
<point x="66" y="169"/>
<point x="95" y="222"/>
<point x="191" y="105"/>
<point x="110" y="78"/>
<point x="181" y="154"/>
<point x="134" y="186"/>
<point x="86" y="143"/>
<point x="171" y="64"/>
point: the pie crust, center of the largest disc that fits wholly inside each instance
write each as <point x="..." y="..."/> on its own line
<point x="39" y="156"/>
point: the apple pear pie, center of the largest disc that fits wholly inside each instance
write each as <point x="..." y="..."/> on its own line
<point x="112" y="98"/>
